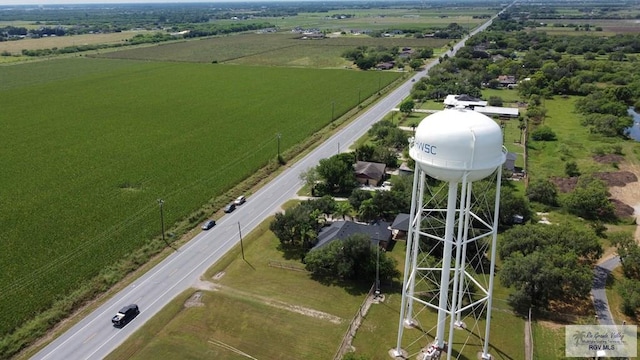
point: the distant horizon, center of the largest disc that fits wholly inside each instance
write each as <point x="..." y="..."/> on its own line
<point x="93" y="2"/>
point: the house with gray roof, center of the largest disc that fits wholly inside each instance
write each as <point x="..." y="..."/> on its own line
<point x="378" y="232"/>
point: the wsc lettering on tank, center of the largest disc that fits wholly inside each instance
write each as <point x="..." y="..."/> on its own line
<point x="429" y="149"/>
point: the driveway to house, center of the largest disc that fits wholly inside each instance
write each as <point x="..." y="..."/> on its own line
<point x="94" y="338"/>
<point x="598" y="292"/>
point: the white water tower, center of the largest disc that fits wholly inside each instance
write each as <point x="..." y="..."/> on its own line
<point x="448" y="273"/>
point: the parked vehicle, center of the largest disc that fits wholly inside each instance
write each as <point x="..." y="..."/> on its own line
<point x="240" y="200"/>
<point x="125" y="315"/>
<point x="208" y="224"/>
<point x="229" y="208"/>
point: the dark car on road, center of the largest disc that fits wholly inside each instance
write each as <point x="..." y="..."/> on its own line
<point x="125" y="315"/>
<point x="208" y="224"/>
<point x="229" y="208"/>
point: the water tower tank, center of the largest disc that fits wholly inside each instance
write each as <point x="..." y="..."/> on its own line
<point x="451" y="142"/>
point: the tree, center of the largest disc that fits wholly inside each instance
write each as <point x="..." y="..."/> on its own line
<point x="590" y="200"/>
<point x="386" y="156"/>
<point x="310" y="178"/>
<point x="545" y="276"/>
<point x="343" y="209"/>
<point x="358" y="196"/>
<point x="416" y="64"/>
<point x="366" y="62"/>
<point x="297" y="228"/>
<point x="536" y="114"/>
<point x="395" y="138"/>
<point x="529" y="238"/>
<point x="407" y="106"/>
<point x="425" y="53"/>
<point x="337" y="174"/>
<point x="326" y="204"/>
<point x="543" y="133"/>
<point x="365" y="152"/>
<point x="547" y="263"/>
<point x="511" y="202"/>
<point x="368" y="211"/>
<point x="629" y="253"/>
<point x="629" y="290"/>
<point x="353" y="258"/>
<point x="607" y="124"/>
<point x="388" y="204"/>
<point x="543" y="191"/>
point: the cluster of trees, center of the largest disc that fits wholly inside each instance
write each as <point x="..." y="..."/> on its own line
<point x="297" y="227"/>
<point x="629" y="286"/>
<point x="452" y="31"/>
<point x="605" y="111"/>
<point x="218" y="29"/>
<point x="64" y="50"/>
<point x="367" y="57"/>
<point x="588" y="200"/>
<point x="547" y="263"/>
<point x="137" y="39"/>
<point x="335" y="176"/>
<point x="447" y="78"/>
<point x="600" y="10"/>
<point x="208" y="30"/>
<point x="352" y="259"/>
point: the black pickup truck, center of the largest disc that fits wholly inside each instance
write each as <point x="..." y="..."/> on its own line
<point x="125" y="315"/>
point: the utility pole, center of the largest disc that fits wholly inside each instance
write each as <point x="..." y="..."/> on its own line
<point x="377" y="292"/>
<point x="241" y="246"/>
<point x="278" y="135"/>
<point x="161" y="202"/>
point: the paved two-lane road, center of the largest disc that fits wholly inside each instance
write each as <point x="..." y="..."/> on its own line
<point x="95" y="338"/>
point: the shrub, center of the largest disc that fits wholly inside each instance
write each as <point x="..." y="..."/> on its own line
<point x="543" y="133"/>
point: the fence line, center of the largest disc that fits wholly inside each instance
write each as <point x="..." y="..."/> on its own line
<point x="354" y="325"/>
<point x="286" y="266"/>
<point x="528" y="339"/>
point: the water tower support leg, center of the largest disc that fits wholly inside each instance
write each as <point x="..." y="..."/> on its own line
<point x="443" y="305"/>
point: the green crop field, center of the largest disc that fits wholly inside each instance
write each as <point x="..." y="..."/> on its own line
<point x="271" y="49"/>
<point x="89" y="145"/>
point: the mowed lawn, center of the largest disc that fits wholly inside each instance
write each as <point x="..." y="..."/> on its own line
<point x="88" y="146"/>
<point x="263" y="311"/>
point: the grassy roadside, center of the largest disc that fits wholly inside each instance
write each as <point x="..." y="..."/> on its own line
<point x="264" y="311"/>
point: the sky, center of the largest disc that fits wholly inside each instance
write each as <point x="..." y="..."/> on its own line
<point x="52" y="2"/>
